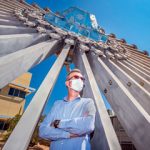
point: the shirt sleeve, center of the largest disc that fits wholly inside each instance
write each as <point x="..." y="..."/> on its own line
<point x="51" y="133"/>
<point x="81" y="125"/>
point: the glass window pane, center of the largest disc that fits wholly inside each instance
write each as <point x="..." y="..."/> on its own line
<point x="11" y="91"/>
<point x="1" y="125"/>
<point x="16" y="92"/>
<point x="22" y="94"/>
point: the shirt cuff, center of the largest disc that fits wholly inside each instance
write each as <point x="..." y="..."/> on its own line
<point x="61" y="124"/>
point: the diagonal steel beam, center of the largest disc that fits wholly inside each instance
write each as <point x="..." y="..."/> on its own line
<point x="5" y="10"/>
<point x="139" y="63"/>
<point x="140" y="79"/>
<point x="142" y="61"/>
<point x="9" y="5"/>
<point x="20" y="5"/>
<point x="11" y="22"/>
<point x="6" y="7"/>
<point x="25" y="4"/>
<point x="21" y="135"/>
<point x="8" y="17"/>
<point x="137" y="70"/>
<point x="134" y="119"/>
<point x="104" y="135"/>
<point x="4" y="29"/>
<point x="5" y="13"/>
<point x="19" y="41"/>
<point x="15" y="64"/>
<point x="139" y="54"/>
<point x="141" y="95"/>
<point x="139" y="67"/>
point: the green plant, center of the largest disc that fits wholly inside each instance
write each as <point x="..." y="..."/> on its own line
<point x="12" y="123"/>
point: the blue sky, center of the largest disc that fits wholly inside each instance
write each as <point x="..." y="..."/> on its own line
<point x="129" y="19"/>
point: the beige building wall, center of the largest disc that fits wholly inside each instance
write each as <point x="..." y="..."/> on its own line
<point x="12" y="105"/>
<point x="24" y="79"/>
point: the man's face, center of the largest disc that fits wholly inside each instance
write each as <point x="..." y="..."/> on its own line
<point x="73" y="75"/>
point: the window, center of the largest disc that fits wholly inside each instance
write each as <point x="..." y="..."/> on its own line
<point x="16" y="92"/>
<point x="11" y="91"/>
<point x="22" y="94"/>
<point x="3" y="125"/>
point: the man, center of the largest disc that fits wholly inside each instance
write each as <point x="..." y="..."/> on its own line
<point x="71" y="120"/>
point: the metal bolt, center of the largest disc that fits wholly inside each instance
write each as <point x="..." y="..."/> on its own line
<point x="110" y="82"/>
<point x="129" y="84"/>
<point x="142" y="83"/>
<point x="105" y="91"/>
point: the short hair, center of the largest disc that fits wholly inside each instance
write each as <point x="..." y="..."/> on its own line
<point x="74" y="70"/>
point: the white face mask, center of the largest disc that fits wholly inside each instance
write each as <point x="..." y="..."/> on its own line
<point x="77" y="85"/>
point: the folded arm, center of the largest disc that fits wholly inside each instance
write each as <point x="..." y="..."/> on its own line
<point x="80" y="125"/>
<point x="50" y="133"/>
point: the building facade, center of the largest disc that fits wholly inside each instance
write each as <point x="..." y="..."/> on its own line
<point x="12" y="98"/>
<point x="124" y="139"/>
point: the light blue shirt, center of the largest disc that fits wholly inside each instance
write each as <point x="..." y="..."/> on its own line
<point x="77" y="117"/>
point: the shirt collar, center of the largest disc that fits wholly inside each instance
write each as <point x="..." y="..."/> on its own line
<point x="65" y="98"/>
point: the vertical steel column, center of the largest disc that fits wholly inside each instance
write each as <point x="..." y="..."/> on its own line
<point x="104" y="135"/>
<point x="21" y="135"/>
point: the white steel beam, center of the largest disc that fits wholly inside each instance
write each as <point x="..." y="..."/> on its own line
<point x="139" y="93"/>
<point x="21" y="135"/>
<point x="4" y="29"/>
<point x="104" y="135"/>
<point x="14" y="42"/>
<point x="133" y="117"/>
<point x="15" y="64"/>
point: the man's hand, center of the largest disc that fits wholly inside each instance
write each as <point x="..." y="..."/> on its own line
<point x="55" y="123"/>
<point x="52" y="124"/>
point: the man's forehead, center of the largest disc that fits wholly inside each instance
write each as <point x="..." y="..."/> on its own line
<point x="75" y="73"/>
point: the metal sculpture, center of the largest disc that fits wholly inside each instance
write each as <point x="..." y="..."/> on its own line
<point x="30" y="34"/>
